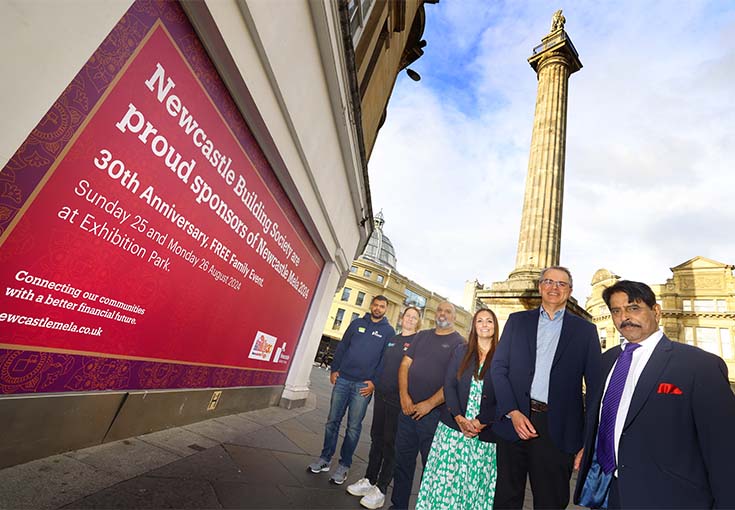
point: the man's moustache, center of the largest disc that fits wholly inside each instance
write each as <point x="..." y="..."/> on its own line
<point x="628" y="324"/>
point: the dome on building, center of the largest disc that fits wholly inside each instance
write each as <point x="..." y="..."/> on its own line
<point x="602" y="275"/>
<point x="379" y="249"/>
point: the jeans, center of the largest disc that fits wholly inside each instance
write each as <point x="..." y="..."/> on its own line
<point x="345" y="395"/>
<point x="413" y="436"/>
<point x="383" y="446"/>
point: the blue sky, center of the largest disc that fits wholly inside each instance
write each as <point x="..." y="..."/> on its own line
<point x="651" y="127"/>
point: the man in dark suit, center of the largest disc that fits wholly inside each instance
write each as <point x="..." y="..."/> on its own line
<point x="537" y="372"/>
<point x="660" y="428"/>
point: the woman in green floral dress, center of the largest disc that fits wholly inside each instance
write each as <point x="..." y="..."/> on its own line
<point x="460" y="472"/>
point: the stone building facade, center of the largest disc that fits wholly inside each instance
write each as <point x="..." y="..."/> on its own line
<point x="374" y="273"/>
<point x="387" y="38"/>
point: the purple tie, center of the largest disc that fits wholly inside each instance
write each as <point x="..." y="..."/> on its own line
<point x="610" y="404"/>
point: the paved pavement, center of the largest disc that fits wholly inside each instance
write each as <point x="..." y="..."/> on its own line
<point x="253" y="460"/>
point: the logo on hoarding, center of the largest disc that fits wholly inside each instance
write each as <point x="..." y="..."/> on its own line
<point x="281" y="356"/>
<point x="262" y="346"/>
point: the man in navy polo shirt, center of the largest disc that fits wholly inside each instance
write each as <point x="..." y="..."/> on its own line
<point x="421" y="388"/>
<point x="354" y="369"/>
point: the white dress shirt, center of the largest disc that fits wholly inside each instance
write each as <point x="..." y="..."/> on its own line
<point x="640" y="358"/>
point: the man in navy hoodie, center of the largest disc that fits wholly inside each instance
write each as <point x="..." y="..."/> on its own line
<point x="354" y="369"/>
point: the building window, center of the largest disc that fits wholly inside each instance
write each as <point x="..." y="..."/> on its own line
<point x="367" y="273"/>
<point x="707" y="339"/>
<point x="360" y="298"/>
<point x="689" y="335"/>
<point x="726" y="343"/>
<point x="687" y="305"/>
<point x="355" y="315"/>
<point x="721" y="305"/>
<point x="718" y="341"/>
<point x="603" y="338"/>
<point x="338" y="318"/>
<point x="359" y="11"/>
<point x="346" y="294"/>
<point x="353" y="269"/>
<point x="704" y="305"/>
<point x="413" y="299"/>
<point x="380" y="278"/>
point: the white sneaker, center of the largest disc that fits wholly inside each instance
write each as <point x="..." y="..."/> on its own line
<point x="373" y="499"/>
<point x="360" y="487"/>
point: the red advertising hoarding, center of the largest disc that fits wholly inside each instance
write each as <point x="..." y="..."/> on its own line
<point x="154" y="248"/>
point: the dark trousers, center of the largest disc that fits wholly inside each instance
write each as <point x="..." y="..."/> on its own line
<point x="548" y="468"/>
<point x="383" y="446"/>
<point x="413" y="437"/>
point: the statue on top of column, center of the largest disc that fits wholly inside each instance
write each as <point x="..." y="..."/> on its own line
<point x="557" y="21"/>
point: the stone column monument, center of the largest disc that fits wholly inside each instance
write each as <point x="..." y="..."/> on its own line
<point x="539" y="242"/>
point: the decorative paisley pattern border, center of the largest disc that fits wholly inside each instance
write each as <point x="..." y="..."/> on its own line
<point x="48" y="372"/>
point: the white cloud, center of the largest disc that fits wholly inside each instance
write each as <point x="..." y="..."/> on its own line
<point x="649" y="180"/>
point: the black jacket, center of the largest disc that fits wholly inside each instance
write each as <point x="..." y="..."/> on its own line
<point x="457" y="392"/>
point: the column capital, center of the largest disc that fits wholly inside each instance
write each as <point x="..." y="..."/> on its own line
<point x="556" y="44"/>
<point x="554" y="57"/>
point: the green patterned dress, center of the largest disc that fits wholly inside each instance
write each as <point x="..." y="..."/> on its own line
<point x="460" y="471"/>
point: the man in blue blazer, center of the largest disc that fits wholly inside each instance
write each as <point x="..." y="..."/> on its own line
<point x="660" y="427"/>
<point x="537" y="372"/>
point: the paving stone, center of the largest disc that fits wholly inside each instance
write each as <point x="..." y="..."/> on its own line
<point x="179" y="440"/>
<point x="239" y="422"/>
<point x="214" y="464"/>
<point x="297" y="466"/>
<point x="272" y="415"/>
<point x="150" y="492"/>
<point x="50" y="483"/>
<point x="301" y="436"/>
<point x="249" y="496"/>
<point x="312" y="421"/>
<point x="212" y="429"/>
<point x="292" y="425"/>
<point x="330" y="497"/>
<point x="225" y="429"/>
<point x="260" y="466"/>
<point x="126" y="458"/>
<point x="268" y="437"/>
<point x="417" y="479"/>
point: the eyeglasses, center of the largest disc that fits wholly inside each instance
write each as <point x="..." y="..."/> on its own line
<point x="547" y="282"/>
